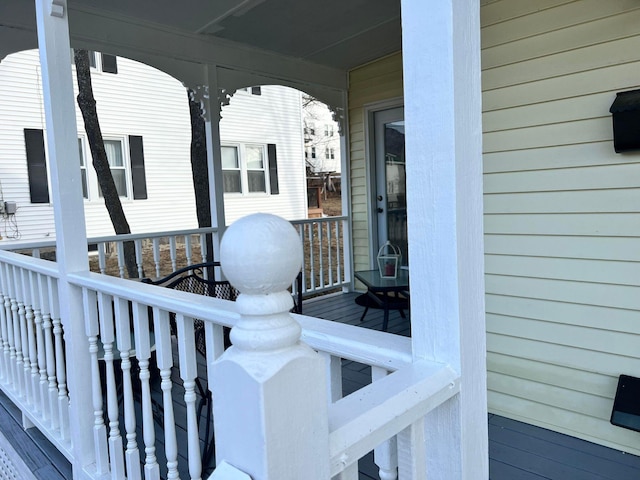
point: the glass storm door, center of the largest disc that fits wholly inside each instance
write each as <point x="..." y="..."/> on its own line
<point x="390" y="200"/>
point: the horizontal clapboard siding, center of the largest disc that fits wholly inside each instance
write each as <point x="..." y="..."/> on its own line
<point x="370" y="84"/>
<point x="274" y="117"/>
<point x="142" y="101"/>
<point x="562" y="213"/>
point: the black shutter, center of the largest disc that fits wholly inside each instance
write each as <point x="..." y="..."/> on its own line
<point x="138" y="178"/>
<point x="273" y="168"/>
<point x="109" y="63"/>
<point x="36" y="165"/>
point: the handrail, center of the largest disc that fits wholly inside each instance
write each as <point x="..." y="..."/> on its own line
<point x="34" y="264"/>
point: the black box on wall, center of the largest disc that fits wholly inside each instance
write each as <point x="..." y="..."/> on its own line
<point x="626" y="121"/>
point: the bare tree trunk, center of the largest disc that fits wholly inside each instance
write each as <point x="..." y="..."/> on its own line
<point x="87" y="105"/>
<point x="199" y="168"/>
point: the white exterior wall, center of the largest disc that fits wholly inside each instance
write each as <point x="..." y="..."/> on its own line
<point x="275" y="117"/>
<point x="318" y="116"/>
<point x="561" y="213"/>
<point x="140" y="100"/>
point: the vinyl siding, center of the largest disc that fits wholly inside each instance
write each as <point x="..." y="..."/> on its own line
<point x="140" y="100"/>
<point x="562" y="215"/>
<point x="370" y="84"/>
<point x="275" y="117"/>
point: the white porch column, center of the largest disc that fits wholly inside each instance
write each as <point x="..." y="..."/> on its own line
<point x="216" y="191"/>
<point x="66" y="195"/>
<point x="442" y="96"/>
<point x="269" y="389"/>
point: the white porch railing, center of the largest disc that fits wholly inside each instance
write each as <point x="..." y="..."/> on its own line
<point x="326" y="266"/>
<point x="128" y="324"/>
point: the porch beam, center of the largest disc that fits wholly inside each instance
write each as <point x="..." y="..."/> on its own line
<point x="68" y="206"/>
<point x="441" y="57"/>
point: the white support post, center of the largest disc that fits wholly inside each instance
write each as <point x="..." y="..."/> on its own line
<point x="66" y="196"/>
<point x="441" y="50"/>
<point x="345" y="188"/>
<point x="214" y="162"/>
<point x="270" y="407"/>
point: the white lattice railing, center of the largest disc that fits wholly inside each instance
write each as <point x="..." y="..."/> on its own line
<point x="133" y="349"/>
<point x="326" y="266"/>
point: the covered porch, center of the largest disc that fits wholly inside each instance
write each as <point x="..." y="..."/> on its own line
<point x="81" y="351"/>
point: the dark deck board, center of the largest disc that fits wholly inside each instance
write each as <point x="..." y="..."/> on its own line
<point x="517" y="451"/>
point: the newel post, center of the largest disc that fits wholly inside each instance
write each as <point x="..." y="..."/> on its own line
<point x="269" y="389"/>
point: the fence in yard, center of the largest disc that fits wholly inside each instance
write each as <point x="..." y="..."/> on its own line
<point x="326" y="264"/>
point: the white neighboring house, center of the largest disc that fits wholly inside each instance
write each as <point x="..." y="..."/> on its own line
<point x="321" y="137"/>
<point x="144" y="118"/>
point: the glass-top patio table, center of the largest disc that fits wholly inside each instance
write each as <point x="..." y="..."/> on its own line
<point x="384" y="292"/>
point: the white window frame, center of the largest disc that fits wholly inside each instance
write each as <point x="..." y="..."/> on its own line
<point x="244" y="170"/>
<point x="93" y="189"/>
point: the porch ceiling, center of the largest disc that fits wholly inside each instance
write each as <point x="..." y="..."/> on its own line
<point x="333" y="33"/>
<point x="336" y="34"/>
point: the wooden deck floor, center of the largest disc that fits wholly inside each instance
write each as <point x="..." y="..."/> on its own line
<point x="517" y="451"/>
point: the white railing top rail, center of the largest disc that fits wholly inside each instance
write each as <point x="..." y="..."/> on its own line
<point x="51" y="242"/>
<point x="319" y="220"/>
<point x="142" y="236"/>
<point x="29" y="263"/>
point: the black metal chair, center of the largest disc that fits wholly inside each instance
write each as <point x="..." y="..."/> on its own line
<point x="200" y="279"/>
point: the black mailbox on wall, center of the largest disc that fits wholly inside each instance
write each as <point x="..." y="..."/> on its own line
<point x="626" y="121"/>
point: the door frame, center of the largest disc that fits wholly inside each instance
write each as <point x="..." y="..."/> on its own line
<point x="370" y="161"/>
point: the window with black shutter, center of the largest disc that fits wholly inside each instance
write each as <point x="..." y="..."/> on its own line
<point x="109" y="63"/>
<point x="36" y="165"/>
<point x="138" y="177"/>
<point x="273" y="168"/>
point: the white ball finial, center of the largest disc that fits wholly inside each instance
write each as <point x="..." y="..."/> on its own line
<point x="261" y="254"/>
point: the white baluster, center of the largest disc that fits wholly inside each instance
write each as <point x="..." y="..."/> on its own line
<point x="204" y="255"/>
<point x="20" y="332"/>
<point x="329" y="253"/>
<point x="42" y="347"/>
<point x="116" y="456"/>
<point x="61" y="367"/>
<point x="385" y="454"/>
<point x="339" y="277"/>
<point x="102" y="258"/>
<point x="5" y="375"/>
<point x="320" y="254"/>
<point x="334" y="375"/>
<point x="143" y="353"/>
<point x="47" y="325"/>
<point x="187" y="249"/>
<point x="139" y="262"/>
<point x="38" y="368"/>
<point x="164" y="357"/>
<point x="89" y="301"/>
<point x="14" y="341"/>
<point x="156" y="255"/>
<point x="31" y="356"/>
<point x="312" y="264"/>
<point x="121" y="259"/>
<point x="188" y="373"/>
<point x="412" y="452"/>
<point x="8" y="349"/>
<point x="61" y="376"/>
<point x="123" y="336"/>
<point x="269" y="388"/>
<point x="172" y="252"/>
